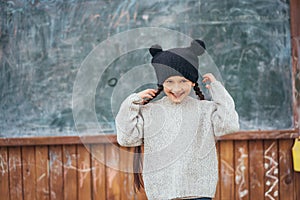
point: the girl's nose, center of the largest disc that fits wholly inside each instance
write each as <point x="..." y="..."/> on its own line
<point x="176" y="88"/>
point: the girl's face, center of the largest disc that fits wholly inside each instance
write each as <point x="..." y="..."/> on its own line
<point x="177" y="88"/>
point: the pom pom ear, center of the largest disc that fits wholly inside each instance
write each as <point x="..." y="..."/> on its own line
<point x="154" y="49"/>
<point x="198" y="47"/>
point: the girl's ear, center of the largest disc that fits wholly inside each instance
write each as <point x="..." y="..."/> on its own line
<point x="193" y="84"/>
<point x="154" y="49"/>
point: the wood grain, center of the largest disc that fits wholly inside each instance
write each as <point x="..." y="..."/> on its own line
<point x="56" y="172"/>
<point x="256" y="169"/>
<point x="42" y="172"/>
<point x="84" y="172"/>
<point x="70" y="172"/>
<point x="29" y="173"/>
<point x="295" y="18"/>
<point x="113" y="183"/>
<point x="4" y="171"/>
<point x="286" y="170"/>
<point x="297" y="185"/>
<point x="98" y="172"/>
<point x="227" y="170"/>
<point x="15" y="173"/>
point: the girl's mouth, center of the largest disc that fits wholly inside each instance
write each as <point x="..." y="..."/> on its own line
<point x="177" y="96"/>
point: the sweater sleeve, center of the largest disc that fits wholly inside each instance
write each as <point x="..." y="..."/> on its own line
<point x="129" y="123"/>
<point x="224" y="116"/>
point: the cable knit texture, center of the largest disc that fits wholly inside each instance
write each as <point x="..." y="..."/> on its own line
<point x="180" y="158"/>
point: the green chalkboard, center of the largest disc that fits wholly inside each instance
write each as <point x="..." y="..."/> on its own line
<point x="44" y="43"/>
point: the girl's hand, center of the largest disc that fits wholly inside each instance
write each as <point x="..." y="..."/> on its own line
<point x="147" y="94"/>
<point x="209" y="77"/>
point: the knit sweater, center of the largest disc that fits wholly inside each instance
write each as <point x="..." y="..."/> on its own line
<point x="180" y="158"/>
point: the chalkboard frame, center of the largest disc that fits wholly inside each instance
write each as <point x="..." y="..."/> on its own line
<point x="242" y="135"/>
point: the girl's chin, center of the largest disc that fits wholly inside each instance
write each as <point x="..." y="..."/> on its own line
<point x="176" y="100"/>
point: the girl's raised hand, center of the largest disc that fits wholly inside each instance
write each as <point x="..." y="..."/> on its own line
<point x="147" y="94"/>
<point x="209" y="77"/>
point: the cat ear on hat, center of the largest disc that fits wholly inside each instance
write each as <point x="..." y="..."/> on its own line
<point x="154" y="49"/>
<point x="197" y="47"/>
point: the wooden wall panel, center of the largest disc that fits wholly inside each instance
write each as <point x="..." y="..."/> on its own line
<point x="271" y="167"/>
<point x="4" y="171"/>
<point x="241" y="164"/>
<point x="84" y="172"/>
<point x="42" y="172"/>
<point x="56" y="172"/>
<point x="297" y="186"/>
<point x="287" y="179"/>
<point x="249" y="170"/>
<point x="98" y="172"/>
<point x="70" y="172"/>
<point x="29" y="173"/>
<point x="113" y="183"/>
<point x="227" y="170"/>
<point x="256" y="169"/>
<point x="15" y="173"/>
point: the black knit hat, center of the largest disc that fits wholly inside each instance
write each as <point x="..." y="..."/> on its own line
<point x="178" y="61"/>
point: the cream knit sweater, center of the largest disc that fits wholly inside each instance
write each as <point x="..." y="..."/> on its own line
<point x="180" y="158"/>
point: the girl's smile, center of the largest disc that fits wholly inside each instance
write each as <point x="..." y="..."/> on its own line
<point x="177" y="88"/>
<point x="176" y="95"/>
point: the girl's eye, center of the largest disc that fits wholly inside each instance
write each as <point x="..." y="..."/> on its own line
<point x="183" y="81"/>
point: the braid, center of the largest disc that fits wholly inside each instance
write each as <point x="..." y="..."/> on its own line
<point x="137" y="169"/>
<point x="137" y="160"/>
<point x="198" y="92"/>
<point x="159" y="89"/>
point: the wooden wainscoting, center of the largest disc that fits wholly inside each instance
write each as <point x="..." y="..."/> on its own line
<point x="253" y="169"/>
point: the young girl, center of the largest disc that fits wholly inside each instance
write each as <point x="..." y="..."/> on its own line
<point x="177" y="131"/>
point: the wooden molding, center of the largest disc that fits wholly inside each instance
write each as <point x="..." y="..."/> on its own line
<point x="106" y="139"/>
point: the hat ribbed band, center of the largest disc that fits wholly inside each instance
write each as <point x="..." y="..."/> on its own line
<point x="174" y="65"/>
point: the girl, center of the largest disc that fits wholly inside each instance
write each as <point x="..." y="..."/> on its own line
<point x="177" y="131"/>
